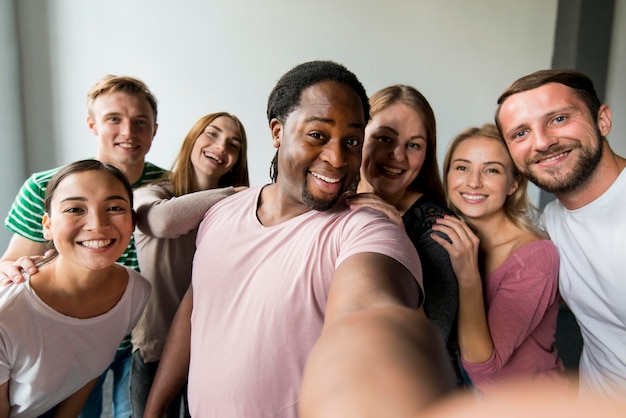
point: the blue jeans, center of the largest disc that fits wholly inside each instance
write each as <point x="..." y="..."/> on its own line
<point x="141" y="378"/>
<point x="121" y="394"/>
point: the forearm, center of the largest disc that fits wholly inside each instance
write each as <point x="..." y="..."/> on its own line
<point x="174" y="364"/>
<point x="176" y="216"/>
<point x="377" y="362"/>
<point x="72" y="406"/>
<point x="475" y="343"/>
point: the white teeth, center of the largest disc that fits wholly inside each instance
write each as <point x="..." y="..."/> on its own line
<point x="217" y="160"/>
<point x="391" y="170"/>
<point x="100" y="243"/>
<point x="127" y="146"/>
<point x="552" y="158"/>
<point x="326" y="179"/>
<point x="473" y="197"/>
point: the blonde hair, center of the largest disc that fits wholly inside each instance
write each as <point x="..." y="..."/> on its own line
<point x="113" y="84"/>
<point x="517" y="207"/>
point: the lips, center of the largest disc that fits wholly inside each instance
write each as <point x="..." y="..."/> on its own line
<point x="552" y="158"/>
<point x="214" y="158"/>
<point x="97" y="243"/>
<point x="326" y="179"/>
<point x="390" y="170"/>
<point x="128" y="146"/>
<point x="474" y="197"/>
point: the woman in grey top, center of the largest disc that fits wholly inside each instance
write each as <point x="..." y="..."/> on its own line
<point x="211" y="164"/>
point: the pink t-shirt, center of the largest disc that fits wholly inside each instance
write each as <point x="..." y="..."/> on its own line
<point x="260" y="296"/>
<point x="522" y="300"/>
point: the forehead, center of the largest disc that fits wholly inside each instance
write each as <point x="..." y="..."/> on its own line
<point x="331" y="96"/>
<point x="481" y="148"/>
<point x="538" y="101"/>
<point x="224" y="123"/>
<point x="119" y="100"/>
<point x="80" y="184"/>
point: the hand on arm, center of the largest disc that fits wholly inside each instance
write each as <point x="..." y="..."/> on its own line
<point x="21" y="253"/>
<point x="375" y="357"/>
<point x="475" y="343"/>
<point x="174" y="364"/>
<point x="374" y="201"/>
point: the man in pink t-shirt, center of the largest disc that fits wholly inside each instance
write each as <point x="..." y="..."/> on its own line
<point x="298" y="305"/>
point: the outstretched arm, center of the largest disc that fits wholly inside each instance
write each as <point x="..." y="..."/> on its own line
<point x="376" y="357"/>
<point x="174" y="364"/>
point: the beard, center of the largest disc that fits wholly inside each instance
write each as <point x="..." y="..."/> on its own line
<point x="316" y="203"/>
<point x="557" y="181"/>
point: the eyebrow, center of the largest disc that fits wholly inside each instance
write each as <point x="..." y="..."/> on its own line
<point x="331" y="121"/>
<point x="234" y="138"/>
<point x="389" y="128"/>
<point x="84" y="199"/>
<point x="485" y="163"/>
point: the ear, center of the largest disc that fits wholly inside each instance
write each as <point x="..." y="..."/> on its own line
<point x="514" y="185"/>
<point x="604" y="119"/>
<point x="92" y="125"/>
<point x="156" y="128"/>
<point x="47" y="229"/>
<point x="276" y="127"/>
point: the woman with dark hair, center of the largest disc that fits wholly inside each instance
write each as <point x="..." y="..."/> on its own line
<point x="61" y="327"/>
<point x="400" y="177"/>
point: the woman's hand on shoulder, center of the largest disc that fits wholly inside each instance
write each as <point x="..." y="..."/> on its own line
<point x="376" y="202"/>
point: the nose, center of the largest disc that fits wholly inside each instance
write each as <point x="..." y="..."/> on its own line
<point x="474" y="179"/>
<point x="398" y="153"/>
<point x="334" y="153"/>
<point x="544" y="139"/>
<point x="97" y="220"/>
<point x="126" y="128"/>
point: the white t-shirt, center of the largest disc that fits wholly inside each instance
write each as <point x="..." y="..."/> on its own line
<point x="592" y="246"/>
<point x="47" y="356"/>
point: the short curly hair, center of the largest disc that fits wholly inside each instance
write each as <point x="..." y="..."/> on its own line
<point x="285" y="96"/>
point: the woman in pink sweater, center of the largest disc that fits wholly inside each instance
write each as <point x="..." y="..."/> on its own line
<point x="507" y="269"/>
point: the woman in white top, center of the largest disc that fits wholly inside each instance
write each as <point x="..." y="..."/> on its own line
<point x="60" y="328"/>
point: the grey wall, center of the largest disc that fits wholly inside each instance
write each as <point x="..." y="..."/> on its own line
<point x="201" y="57"/>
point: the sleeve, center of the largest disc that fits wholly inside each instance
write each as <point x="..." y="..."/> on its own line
<point x="140" y="294"/>
<point x="440" y="284"/>
<point x="160" y="215"/>
<point x="529" y="289"/>
<point x="26" y="213"/>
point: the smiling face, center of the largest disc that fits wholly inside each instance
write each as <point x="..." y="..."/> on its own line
<point x="215" y="152"/>
<point x="552" y="137"/>
<point x="480" y="177"/>
<point x="394" y="150"/>
<point x="319" y="145"/>
<point x="90" y="226"/>
<point x="125" y="125"/>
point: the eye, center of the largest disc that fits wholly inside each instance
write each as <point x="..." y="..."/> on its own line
<point x="492" y="171"/>
<point x="235" y="145"/>
<point x="141" y="122"/>
<point x="114" y="119"/>
<point x="460" y="167"/>
<point x="316" y="135"/>
<point x="354" y="142"/>
<point x="414" y="146"/>
<point x="73" y="210"/>
<point x="519" y="135"/>
<point x="384" y="139"/>
<point x="560" y="119"/>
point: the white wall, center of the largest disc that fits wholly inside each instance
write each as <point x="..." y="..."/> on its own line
<point x="204" y="56"/>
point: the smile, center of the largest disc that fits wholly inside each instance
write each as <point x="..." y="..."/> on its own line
<point x="552" y="158"/>
<point x="99" y="243"/>
<point x="214" y="158"/>
<point x="473" y="197"/>
<point x="390" y="170"/>
<point x="326" y="179"/>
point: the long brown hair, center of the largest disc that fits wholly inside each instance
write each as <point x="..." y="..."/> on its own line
<point x="182" y="174"/>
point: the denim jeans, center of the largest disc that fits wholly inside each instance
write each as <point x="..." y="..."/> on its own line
<point x="141" y="378"/>
<point x="121" y="393"/>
